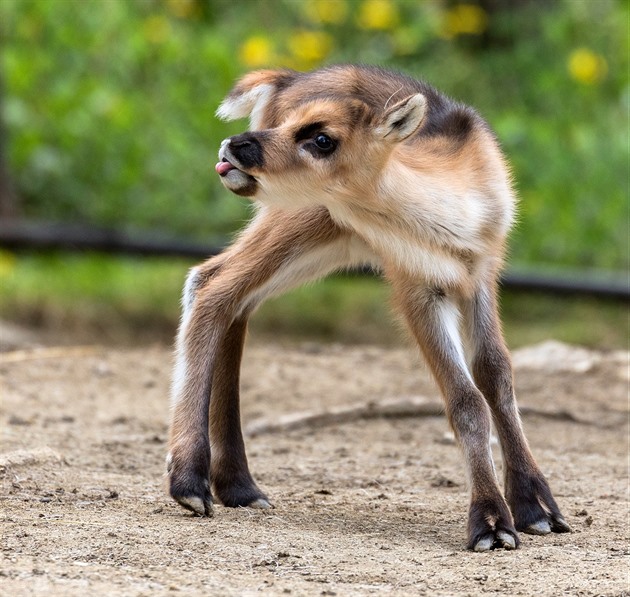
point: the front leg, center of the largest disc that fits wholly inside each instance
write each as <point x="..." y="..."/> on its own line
<point x="231" y="480"/>
<point x="188" y="459"/>
<point x="277" y="251"/>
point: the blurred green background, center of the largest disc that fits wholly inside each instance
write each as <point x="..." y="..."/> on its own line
<point x="108" y="119"/>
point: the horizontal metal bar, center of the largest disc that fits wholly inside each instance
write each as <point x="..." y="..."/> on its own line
<point x="565" y="284"/>
<point x="31" y="235"/>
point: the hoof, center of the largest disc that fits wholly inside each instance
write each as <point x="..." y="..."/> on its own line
<point x="490" y="526"/>
<point x="534" y="507"/>
<point x="197" y="505"/>
<point x="560" y="525"/>
<point x="496" y="540"/>
<point x="542" y="527"/>
<point x="238" y="490"/>
<point x="261" y="504"/>
<point x="189" y="486"/>
<point x="549" y="524"/>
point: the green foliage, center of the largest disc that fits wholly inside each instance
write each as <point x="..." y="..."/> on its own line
<point x="109" y="104"/>
<point x="110" y="111"/>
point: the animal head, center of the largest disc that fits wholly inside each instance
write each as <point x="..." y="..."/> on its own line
<point x="311" y="138"/>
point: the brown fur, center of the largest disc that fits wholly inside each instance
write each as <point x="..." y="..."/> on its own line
<point x="415" y="185"/>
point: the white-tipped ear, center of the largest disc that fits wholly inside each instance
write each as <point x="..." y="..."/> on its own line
<point x="250" y="103"/>
<point x="403" y="119"/>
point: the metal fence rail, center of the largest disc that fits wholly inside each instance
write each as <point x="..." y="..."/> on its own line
<point x="28" y="235"/>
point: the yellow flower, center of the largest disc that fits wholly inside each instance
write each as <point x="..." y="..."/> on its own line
<point x="587" y="67"/>
<point x="378" y="14"/>
<point x="157" y="29"/>
<point x="7" y="264"/>
<point x="331" y="12"/>
<point x="464" y="18"/>
<point x="256" y="51"/>
<point x="309" y="47"/>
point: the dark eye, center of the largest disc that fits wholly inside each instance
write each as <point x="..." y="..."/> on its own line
<point x="324" y="142"/>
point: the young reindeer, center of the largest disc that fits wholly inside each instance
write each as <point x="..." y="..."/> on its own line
<point x="354" y="165"/>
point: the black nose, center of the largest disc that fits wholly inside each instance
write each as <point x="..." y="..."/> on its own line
<point x="238" y="142"/>
<point x="248" y="150"/>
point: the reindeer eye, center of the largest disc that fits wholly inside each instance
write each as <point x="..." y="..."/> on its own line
<point x="324" y="142"/>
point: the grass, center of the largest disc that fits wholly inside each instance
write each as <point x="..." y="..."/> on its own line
<point x="131" y="299"/>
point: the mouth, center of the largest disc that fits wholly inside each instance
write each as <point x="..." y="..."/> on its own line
<point x="223" y="167"/>
<point x="235" y="179"/>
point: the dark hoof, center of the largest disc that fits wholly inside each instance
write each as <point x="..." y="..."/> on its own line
<point x="496" y="540"/>
<point x="202" y="506"/>
<point x="490" y="526"/>
<point x="560" y="525"/>
<point x="549" y="524"/>
<point x="534" y="509"/>
<point x="189" y="487"/>
<point x="261" y="504"/>
<point x="240" y="493"/>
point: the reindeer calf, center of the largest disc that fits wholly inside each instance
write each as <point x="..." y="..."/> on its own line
<point x="354" y="165"/>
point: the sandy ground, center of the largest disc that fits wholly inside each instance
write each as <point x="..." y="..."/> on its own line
<point x="364" y="507"/>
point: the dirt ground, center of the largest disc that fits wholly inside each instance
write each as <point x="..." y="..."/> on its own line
<point x="363" y="507"/>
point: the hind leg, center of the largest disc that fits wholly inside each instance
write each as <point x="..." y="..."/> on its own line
<point x="433" y="318"/>
<point x="527" y="492"/>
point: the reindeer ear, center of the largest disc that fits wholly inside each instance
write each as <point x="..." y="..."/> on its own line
<point x="403" y="118"/>
<point x="251" y="95"/>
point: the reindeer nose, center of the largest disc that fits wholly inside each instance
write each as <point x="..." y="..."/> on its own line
<point x="241" y="141"/>
<point x="247" y="149"/>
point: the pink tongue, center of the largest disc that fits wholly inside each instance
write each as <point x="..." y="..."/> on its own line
<point x="223" y="168"/>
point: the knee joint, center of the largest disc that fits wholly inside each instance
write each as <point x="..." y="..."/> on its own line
<point x="469" y="415"/>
